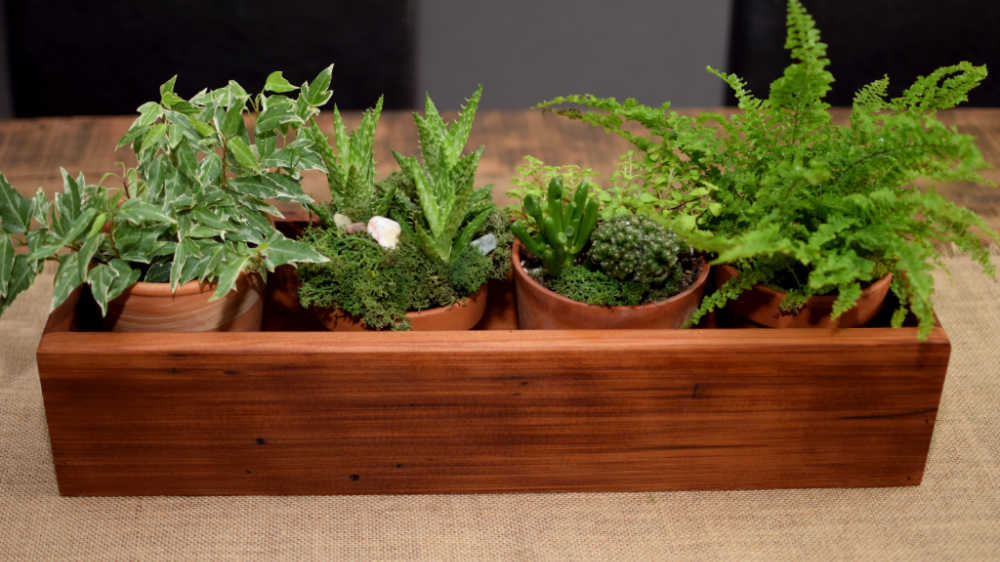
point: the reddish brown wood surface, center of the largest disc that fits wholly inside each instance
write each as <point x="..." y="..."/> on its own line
<point x="32" y="150"/>
<point x="488" y="411"/>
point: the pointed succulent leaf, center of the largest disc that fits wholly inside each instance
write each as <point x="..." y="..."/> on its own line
<point x="469" y="231"/>
<point x="463" y="126"/>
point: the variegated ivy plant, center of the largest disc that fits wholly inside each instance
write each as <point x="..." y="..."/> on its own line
<point x="195" y="208"/>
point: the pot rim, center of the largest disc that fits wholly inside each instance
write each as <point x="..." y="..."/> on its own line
<point x="195" y="287"/>
<point x="461" y="303"/>
<point x="515" y="255"/>
<point x="817" y="299"/>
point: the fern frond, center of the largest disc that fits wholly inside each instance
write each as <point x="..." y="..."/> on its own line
<point x="944" y="88"/>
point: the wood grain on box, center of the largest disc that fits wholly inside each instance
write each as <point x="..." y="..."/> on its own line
<point x="487" y="410"/>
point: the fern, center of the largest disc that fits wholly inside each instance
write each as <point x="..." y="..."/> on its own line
<point x="803" y="204"/>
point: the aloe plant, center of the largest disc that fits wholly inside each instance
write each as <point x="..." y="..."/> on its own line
<point x="351" y="168"/>
<point x="453" y="210"/>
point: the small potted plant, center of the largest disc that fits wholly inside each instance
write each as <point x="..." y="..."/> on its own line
<point x="176" y="247"/>
<point x="414" y="250"/>
<point x="598" y="266"/>
<point x="811" y="220"/>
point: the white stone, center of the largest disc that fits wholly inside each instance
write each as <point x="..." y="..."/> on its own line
<point x="385" y="231"/>
<point x="485" y="243"/>
<point x="341" y="221"/>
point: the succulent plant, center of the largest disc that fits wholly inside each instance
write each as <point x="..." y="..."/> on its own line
<point x="635" y="248"/>
<point x="563" y="230"/>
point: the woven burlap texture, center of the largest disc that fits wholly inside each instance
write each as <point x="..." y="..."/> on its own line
<point x="953" y="515"/>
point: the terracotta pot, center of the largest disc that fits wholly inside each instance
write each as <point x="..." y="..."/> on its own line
<point x="760" y="305"/>
<point x="538" y="308"/>
<point x="152" y="307"/>
<point x="462" y="315"/>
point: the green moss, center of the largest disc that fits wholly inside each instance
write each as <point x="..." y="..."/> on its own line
<point x="379" y="286"/>
<point x="631" y="260"/>
<point x="594" y="287"/>
<point x="374" y="284"/>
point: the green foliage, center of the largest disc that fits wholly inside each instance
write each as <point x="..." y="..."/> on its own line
<point x="440" y="213"/>
<point x="453" y="210"/>
<point x="351" y="169"/>
<point x="627" y="194"/>
<point x="635" y="248"/>
<point x="375" y="285"/>
<point x="532" y="177"/>
<point x="591" y="286"/>
<point x="563" y="229"/>
<point x="195" y="207"/>
<point x="798" y="202"/>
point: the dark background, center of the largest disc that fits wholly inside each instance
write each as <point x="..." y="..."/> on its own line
<point x="71" y="57"/>
<point x="867" y="39"/>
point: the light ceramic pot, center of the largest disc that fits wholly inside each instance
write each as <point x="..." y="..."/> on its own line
<point x="760" y="305"/>
<point x="462" y="315"/>
<point x="153" y="307"/>
<point x="538" y="308"/>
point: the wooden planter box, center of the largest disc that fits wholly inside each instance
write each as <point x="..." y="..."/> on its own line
<point x="492" y="410"/>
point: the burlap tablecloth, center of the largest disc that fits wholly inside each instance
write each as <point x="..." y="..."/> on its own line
<point x="954" y="514"/>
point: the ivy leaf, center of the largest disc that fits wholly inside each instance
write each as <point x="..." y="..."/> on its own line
<point x="244" y="156"/>
<point x="282" y="251"/>
<point x="6" y="264"/>
<point x="70" y="201"/>
<point x="86" y="253"/>
<point x="42" y="245"/>
<point x="229" y="273"/>
<point x="153" y="136"/>
<point x="67" y="278"/>
<point x="22" y="275"/>
<point x="279" y="111"/>
<point x="277" y="83"/>
<point x="15" y="209"/>
<point x="101" y="278"/>
<point x="318" y="92"/>
<point x="137" y="211"/>
<point x="40" y="206"/>
<point x="213" y="263"/>
<point x="78" y="227"/>
<point x="206" y="217"/>
<point x="266" y="144"/>
<point x="232" y="123"/>
<point x="271" y="186"/>
<point x="137" y="244"/>
<point x="182" y="252"/>
<point x="168" y="86"/>
<point x="109" y="281"/>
